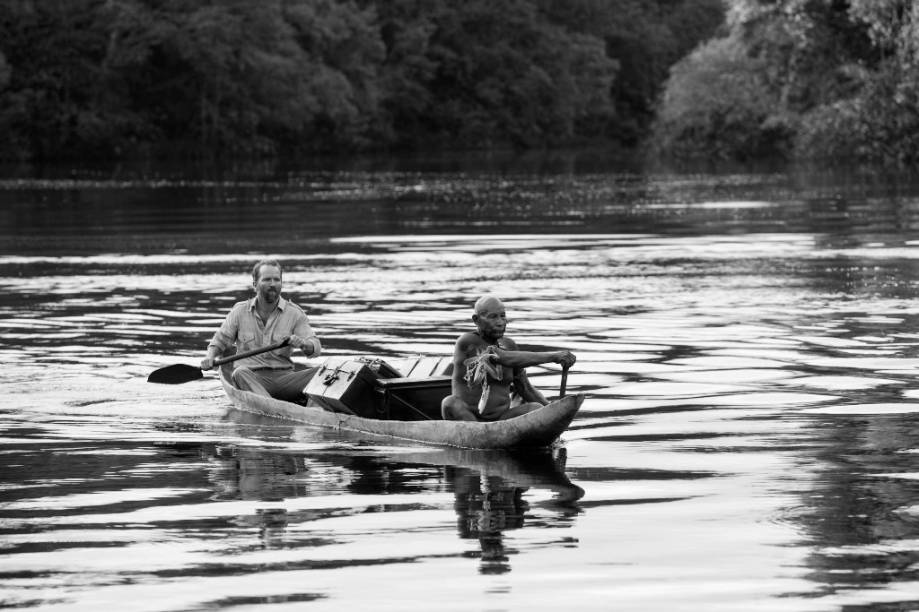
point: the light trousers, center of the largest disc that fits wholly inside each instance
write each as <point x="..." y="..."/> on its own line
<point x="281" y="384"/>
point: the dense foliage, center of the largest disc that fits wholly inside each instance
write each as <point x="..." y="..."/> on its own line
<point x="800" y="78"/>
<point x="113" y="78"/>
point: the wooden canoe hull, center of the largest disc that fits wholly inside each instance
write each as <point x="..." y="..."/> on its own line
<point x="537" y="429"/>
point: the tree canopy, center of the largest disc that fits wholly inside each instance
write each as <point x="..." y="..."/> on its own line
<point x="800" y="78"/>
<point x="116" y="78"/>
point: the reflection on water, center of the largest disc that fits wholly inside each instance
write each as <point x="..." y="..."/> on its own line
<point x="747" y="342"/>
<point x="488" y="505"/>
<point x="485" y="509"/>
<point x="488" y="487"/>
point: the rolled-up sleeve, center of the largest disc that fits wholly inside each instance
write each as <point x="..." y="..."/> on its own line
<point x="225" y="336"/>
<point x="303" y="329"/>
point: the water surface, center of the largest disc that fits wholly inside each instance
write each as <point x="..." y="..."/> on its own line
<point x="747" y="342"/>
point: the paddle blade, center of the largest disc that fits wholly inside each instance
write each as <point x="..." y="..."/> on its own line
<point x="175" y="374"/>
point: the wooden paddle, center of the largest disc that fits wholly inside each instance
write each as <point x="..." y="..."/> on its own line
<point x="182" y="373"/>
<point x="561" y="392"/>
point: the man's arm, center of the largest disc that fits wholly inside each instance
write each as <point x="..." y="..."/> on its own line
<point x="222" y="339"/>
<point x="526" y="390"/>
<point x="305" y="339"/>
<point x="462" y="350"/>
<point x="519" y="360"/>
<point x="525" y="359"/>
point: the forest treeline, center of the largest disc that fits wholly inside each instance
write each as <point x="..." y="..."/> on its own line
<point x="121" y="78"/>
<point x="809" y="79"/>
<point x="730" y="79"/>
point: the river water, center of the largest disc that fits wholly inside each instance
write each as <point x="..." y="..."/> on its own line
<point x="747" y="341"/>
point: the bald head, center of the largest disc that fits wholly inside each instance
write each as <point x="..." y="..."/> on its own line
<point x="490" y="318"/>
<point x="487" y="303"/>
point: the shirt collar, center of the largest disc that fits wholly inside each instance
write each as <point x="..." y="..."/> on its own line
<point x="282" y="303"/>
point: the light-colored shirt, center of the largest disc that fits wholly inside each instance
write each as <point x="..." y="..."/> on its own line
<point x="244" y="328"/>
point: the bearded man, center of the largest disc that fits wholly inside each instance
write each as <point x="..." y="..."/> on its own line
<point x="265" y="319"/>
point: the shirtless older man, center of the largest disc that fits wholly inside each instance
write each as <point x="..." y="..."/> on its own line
<point x="489" y="380"/>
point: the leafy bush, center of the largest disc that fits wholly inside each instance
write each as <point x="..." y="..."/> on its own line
<point x="813" y="79"/>
<point x="717" y="104"/>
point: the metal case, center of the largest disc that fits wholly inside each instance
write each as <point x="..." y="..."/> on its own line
<point x="347" y="385"/>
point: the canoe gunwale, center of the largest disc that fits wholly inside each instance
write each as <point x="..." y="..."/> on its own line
<point x="537" y="429"/>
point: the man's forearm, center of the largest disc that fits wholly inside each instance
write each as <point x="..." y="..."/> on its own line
<point x="214" y="351"/>
<point x="220" y="341"/>
<point x="311" y="347"/>
<point x="527" y="391"/>
<point x="525" y="359"/>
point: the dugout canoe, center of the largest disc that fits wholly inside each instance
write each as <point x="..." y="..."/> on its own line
<point x="537" y="429"/>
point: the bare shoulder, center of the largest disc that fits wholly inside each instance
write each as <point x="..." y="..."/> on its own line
<point x="507" y="343"/>
<point x="469" y="341"/>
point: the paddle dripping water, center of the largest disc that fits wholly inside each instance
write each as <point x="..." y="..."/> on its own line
<point x="747" y="344"/>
